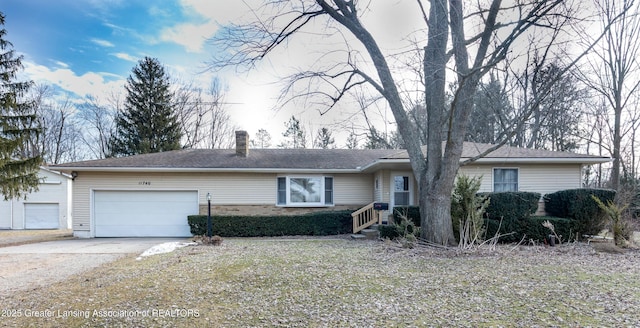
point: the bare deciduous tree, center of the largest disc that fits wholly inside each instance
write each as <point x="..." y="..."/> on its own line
<point x="495" y="29"/>
<point x="204" y="119"/>
<point x="613" y="69"/>
<point x="97" y="120"/>
<point x="60" y="134"/>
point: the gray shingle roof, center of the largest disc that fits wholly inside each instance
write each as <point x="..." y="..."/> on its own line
<point x="471" y="149"/>
<point x="312" y="159"/>
<point x="298" y="159"/>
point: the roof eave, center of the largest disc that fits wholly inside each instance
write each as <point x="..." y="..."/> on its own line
<point x="542" y="160"/>
<point x="203" y="170"/>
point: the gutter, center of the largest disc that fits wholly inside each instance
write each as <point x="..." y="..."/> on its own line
<point x="359" y="169"/>
<point x="203" y="170"/>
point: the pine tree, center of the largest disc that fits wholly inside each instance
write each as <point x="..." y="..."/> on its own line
<point x="352" y="141"/>
<point x="324" y="140"/>
<point x="148" y="123"/>
<point x="262" y="139"/>
<point x="18" y="127"/>
<point x="294" y="135"/>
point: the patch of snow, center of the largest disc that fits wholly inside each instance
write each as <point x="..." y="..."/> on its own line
<point x="163" y="248"/>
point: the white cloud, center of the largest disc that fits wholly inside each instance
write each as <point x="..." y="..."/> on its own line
<point x="222" y="12"/>
<point x="102" y="43"/>
<point x="61" y="64"/>
<point x="190" y="36"/>
<point x="89" y="84"/>
<point x="124" y="56"/>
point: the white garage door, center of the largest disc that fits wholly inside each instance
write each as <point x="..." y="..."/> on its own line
<point x="143" y="213"/>
<point x="41" y="216"/>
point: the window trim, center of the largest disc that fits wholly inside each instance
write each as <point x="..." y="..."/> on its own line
<point x="493" y="177"/>
<point x="392" y="191"/>
<point x="323" y="191"/>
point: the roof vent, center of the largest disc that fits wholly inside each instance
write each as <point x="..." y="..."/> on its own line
<point x="242" y="143"/>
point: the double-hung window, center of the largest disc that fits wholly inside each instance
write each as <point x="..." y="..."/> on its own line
<point x="401" y="191"/>
<point x="305" y="191"/>
<point x="505" y="179"/>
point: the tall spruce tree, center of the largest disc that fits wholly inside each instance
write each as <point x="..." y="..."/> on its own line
<point x="18" y="127"/>
<point x="148" y="122"/>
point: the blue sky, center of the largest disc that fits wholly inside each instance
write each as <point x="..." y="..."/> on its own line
<point x="105" y="37"/>
<point x="88" y="48"/>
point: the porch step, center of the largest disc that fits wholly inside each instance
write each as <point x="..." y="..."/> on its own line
<point x="370" y="234"/>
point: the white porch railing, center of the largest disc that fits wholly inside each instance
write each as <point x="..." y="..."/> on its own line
<point x="365" y="217"/>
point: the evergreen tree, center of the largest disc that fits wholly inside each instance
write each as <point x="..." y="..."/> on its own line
<point x="18" y="127"/>
<point x="262" y="139"/>
<point x="491" y="106"/>
<point x="352" y="141"/>
<point x="294" y="135"/>
<point x="324" y="139"/>
<point x="148" y="122"/>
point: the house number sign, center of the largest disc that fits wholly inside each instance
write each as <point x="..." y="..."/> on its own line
<point x="144" y="183"/>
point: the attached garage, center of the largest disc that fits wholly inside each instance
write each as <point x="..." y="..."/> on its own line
<point x="41" y="216"/>
<point x="133" y="213"/>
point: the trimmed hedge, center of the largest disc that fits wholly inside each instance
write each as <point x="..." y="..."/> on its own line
<point x="313" y="224"/>
<point x="511" y="205"/>
<point x="531" y="229"/>
<point x="411" y="212"/>
<point x="578" y="205"/>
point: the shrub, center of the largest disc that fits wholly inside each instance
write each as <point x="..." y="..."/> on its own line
<point x="537" y="231"/>
<point x="388" y="231"/>
<point x="513" y="208"/>
<point x="578" y="204"/>
<point x="467" y="211"/>
<point x="314" y="224"/>
<point x="403" y="229"/>
<point x="530" y="228"/>
<point x="511" y="205"/>
<point x="621" y="231"/>
<point x="410" y="212"/>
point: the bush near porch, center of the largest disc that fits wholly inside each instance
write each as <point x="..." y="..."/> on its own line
<point x="570" y="211"/>
<point x="312" y="224"/>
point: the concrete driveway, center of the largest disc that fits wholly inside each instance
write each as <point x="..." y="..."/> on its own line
<point x="89" y="246"/>
<point x="35" y="265"/>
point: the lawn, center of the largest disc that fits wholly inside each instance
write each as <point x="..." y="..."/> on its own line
<point x="342" y="283"/>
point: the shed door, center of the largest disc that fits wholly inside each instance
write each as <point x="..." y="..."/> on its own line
<point x="146" y="213"/>
<point x="41" y="216"/>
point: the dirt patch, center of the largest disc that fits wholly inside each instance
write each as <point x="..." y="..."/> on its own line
<point x="343" y="283"/>
<point x="21" y="237"/>
<point x="31" y="271"/>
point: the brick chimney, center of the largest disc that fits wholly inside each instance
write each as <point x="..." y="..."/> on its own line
<point x="242" y="143"/>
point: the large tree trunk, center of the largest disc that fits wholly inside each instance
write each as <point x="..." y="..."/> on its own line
<point x="435" y="212"/>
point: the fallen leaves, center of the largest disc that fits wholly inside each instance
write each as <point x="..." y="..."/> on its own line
<point x="336" y="282"/>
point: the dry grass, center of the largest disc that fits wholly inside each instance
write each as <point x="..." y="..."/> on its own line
<point x="343" y="283"/>
<point x="21" y="237"/>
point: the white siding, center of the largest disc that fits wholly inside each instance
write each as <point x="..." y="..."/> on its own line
<point x="54" y="190"/>
<point x="543" y="179"/>
<point x="378" y="193"/>
<point x="225" y="188"/>
<point x="6" y="215"/>
<point x="353" y="189"/>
